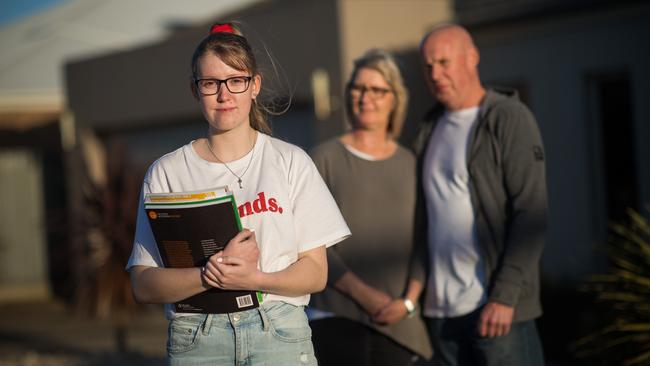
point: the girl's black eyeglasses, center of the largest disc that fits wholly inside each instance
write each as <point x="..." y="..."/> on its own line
<point x="211" y="86"/>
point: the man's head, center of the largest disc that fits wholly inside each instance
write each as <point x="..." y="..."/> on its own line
<point x="451" y="61"/>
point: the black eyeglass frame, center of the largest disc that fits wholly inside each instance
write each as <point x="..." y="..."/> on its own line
<point x="376" y="92"/>
<point x="223" y="81"/>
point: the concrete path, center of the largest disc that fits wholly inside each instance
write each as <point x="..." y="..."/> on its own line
<point x="48" y="334"/>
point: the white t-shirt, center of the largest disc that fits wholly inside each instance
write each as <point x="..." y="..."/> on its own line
<point x="284" y="199"/>
<point x="456" y="284"/>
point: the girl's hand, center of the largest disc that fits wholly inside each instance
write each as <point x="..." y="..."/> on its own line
<point x="243" y="245"/>
<point x="231" y="273"/>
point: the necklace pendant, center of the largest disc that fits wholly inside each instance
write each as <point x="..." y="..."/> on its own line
<point x="239" y="181"/>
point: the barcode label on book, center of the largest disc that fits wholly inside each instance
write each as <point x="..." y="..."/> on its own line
<point x="244" y="301"/>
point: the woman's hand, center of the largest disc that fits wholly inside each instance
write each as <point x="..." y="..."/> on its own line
<point x="393" y="312"/>
<point x="244" y="246"/>
<point x="396" y="310"/>
<point x="231" y="273"/>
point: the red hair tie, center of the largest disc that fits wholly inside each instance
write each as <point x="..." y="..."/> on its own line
<point x="222" y="28"/>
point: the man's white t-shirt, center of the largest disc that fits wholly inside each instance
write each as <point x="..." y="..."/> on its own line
<point x="284" y="199"/>
<point x="456" y="284"/>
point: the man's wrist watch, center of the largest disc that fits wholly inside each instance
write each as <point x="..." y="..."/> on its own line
<point x="410" y="307"/>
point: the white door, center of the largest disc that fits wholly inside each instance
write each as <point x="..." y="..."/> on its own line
<point x="23" y="251"/>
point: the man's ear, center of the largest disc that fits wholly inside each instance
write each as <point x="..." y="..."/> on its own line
<point x="473" y="57"/>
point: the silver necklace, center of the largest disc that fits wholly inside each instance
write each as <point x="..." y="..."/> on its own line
<point x="239" y="177"/>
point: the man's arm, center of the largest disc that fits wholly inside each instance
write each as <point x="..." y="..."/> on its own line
<point x="525" y="186"/>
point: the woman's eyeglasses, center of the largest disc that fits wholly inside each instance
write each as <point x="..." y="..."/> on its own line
<point x="374" y="92"/>
<point x="211" y="86"/>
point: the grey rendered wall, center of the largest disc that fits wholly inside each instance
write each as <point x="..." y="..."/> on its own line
<point x="552" y="58"/>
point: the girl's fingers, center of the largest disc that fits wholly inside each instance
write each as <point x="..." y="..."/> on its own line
<point x="209" y="276"/>
<point x="243" y="235"/>
<point x="228" y="260"/>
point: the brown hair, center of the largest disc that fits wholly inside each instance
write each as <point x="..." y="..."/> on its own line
<point x="382" y="62"/>
<point x="235" y="51"/>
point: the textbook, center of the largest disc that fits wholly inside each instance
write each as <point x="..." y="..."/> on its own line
<point x="189" y="227"/>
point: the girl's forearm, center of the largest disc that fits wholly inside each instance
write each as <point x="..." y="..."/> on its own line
<point x="154" y="285"/>
<point x="307" y="275"/>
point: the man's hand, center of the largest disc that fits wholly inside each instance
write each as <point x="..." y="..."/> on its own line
<point x="495" y="320"/>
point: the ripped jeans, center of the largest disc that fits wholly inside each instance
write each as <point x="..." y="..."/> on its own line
<point x="276" y="333"/>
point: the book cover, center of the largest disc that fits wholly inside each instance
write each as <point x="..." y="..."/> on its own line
<point x="189" y="227"/>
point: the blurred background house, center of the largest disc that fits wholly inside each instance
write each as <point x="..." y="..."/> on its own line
<point x="579" y="65"/>
<point x="36" y="131"/>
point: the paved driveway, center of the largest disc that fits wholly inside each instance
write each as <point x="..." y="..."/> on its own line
<point x="48" y="334"/>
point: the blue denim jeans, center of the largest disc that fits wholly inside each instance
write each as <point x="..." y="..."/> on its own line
<point x="456" y="342"/>
<point x="276" y="333"/>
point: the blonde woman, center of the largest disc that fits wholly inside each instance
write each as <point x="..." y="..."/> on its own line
<point x="368" y="313"/>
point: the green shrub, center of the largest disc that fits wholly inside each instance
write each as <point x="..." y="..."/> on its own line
<point x="624" y="292"/>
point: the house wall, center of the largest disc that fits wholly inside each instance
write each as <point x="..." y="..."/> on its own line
<point x="552" y="58"/>
<point x="393" y="25"/>
<point x="397" y="26"/>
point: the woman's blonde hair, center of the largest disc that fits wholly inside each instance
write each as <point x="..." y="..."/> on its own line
<point x="382" y="62"/>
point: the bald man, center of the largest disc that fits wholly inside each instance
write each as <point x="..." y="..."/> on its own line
<point x="482" y="172"/>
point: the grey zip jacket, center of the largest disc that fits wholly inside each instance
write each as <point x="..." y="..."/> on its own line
<point x="508" y="192"/>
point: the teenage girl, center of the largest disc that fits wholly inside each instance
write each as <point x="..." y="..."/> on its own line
<point x="287" y="209"/>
